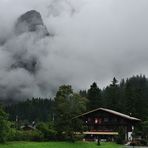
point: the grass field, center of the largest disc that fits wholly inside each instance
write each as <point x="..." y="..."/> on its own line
<point x="58" y="145"/>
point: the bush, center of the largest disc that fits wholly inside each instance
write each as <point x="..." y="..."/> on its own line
<point x="138" y="142"/>
<point x="135" y="143"/>
<point x="121" y="137"/>
<point x="17" y="135"/>
<point x="119" y="140"/>
<point x="4" y="126"/>
<point x="143" y="142"/>
<point x="79" y="137"/>
<point x="43" y="132"/>
<point x="70" y="136"/>
<point x="12" y="134"/>
<point x="47" y="131"/>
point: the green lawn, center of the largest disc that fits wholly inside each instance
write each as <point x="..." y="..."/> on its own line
<point x="58" y="145"/>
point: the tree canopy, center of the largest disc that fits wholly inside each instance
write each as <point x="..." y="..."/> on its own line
<point x="67" y="106"/>
<point x="4" y="125"/>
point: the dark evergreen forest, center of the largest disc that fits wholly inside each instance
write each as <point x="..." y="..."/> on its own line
<point x="128" y="96"/>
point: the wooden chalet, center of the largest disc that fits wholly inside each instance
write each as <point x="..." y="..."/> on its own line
<point x="105" y="124"/>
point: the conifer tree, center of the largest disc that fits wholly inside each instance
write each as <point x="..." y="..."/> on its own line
<point x="94" y="97"/>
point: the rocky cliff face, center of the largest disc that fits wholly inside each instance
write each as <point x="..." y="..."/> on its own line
<point x="31" y="26"/>
<point x="31" y="21"/>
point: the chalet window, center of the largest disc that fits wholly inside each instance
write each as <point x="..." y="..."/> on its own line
<point x="98" y="121"/>
<point x="115" y="120"/>
<point x="106" y="120"/>
<point x="89" y="120"/>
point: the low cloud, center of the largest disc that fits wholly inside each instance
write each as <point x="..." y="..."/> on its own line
<point x="89" y="41"/>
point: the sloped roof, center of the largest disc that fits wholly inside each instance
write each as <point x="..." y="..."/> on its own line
<point x="112" y="112"/>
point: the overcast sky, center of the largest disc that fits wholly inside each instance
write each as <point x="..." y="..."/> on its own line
<point x="93" y="40"/>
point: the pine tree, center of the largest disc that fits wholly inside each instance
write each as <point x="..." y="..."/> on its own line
<point x="94" y="97"/>
<point x="112" y="95"/>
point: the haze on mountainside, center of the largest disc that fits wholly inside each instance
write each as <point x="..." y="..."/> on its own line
<point x="47" y="43"/>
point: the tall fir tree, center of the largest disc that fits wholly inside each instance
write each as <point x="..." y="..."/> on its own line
<point x="112" y="95"/>
<point x="94" y="97"/>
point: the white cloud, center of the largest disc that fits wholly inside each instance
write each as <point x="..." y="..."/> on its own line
<point x="93" y="41"/>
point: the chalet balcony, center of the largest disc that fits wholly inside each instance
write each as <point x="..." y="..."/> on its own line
<point x="99" y="128"/>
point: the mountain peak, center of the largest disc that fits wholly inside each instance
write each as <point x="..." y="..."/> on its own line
<point x="31" y="21"/>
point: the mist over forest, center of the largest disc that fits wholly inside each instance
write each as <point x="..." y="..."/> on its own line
<point x="69" y="42"/>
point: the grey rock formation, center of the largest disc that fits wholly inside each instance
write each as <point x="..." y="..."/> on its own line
<point x="31" y="21"/>
<point x="30" y="64"/>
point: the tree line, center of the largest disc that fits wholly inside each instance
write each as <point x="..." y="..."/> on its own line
<point x="128" y="96"/>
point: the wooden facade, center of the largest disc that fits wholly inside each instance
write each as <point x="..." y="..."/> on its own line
<point x="106" y="123"/>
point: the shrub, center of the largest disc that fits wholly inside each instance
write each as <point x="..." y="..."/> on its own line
<point x="17" y="135"/>
<point x="121" y="137"/>
<point x="4" y="126"/>
<point x="143" y="142"/>
<point x="47" y="131"/>
<point x="137" y="142"/>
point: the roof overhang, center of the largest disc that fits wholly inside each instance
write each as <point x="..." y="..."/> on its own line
<point x="111" y="112"/>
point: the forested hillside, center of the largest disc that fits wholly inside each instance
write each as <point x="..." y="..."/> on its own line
<point x="128" y="96"/>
